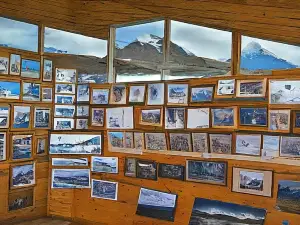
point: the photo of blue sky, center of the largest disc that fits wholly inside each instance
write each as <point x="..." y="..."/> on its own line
<point x="14" y="87"/>
<point x="30" y="64"/>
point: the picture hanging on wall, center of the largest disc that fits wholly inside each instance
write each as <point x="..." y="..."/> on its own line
<point x="155" y="94"/>
<point x="116" y="139"/>
<point x="156" y="141"/>
<point x="63" y="124"/>
<point x="4" y="116"/>
<point x="248" y="144"/>
<point x="31" y="69"/>
<point x="297" y="119"/>
<point x="174" y="118"/>
<point x="104" y="164"/>
<point x="151" y="117"/>
<point x="42" y="117"/>
<point x="70" y="178"/>
<point x="91" y="78"/>
<point x="220" y="143"/>
<point x="41" y="146"/>
<point x="226" y="87"/>
<point x="198" y="118"/>
<point x="138" y="138"/>
<point x="128" y="140"/>
<point x="180" y="142"/>
<point x="171" y="171"/>
<point x="22" y="175"/>
<point x="279" y="120"/>
<point x="253" y="116"/>
<point x="118" y="94"/>
<point x="46" y="94"/>
<point x="22" y="117"/>
<point x="65" y="75"/>
<point x="82" y="124"/>
<point x="20" y="199"/>
<point x="178" y="94"/>
<point x="290" y="146"/>
<point x="64" y="99"/>
<point x="104" y="189"/>
<point x="4" y="65"/>
<point x="48" y="70"/>
<point x="284" y="91"/>
<point x="224" y="117"/>
<point x="64" y="111"/>
<point x="65" y="89"/>
<point x="3" y="146"/>
<point x="83" y="93"/>
<point x="130" y="167"/>
<point x="97" y="117"/>
<point x="21" y="146"/>
<point x="200" y="142"/>
<point x="15" y="64"/>
<point x="251" y="88"/>
<point x="31" y="92"/>
<point x="119" y="118"/>
<point x="288" y="196"/>
<point x="10" y="89"/>
<point x="146" y="169"/>
<point x="100" y="96"/>
<point x="70" y="162"/>
<point x="137" y="93"/>
<point x="201" y="94"/>
<point x="270" y="146"/>
<point x="82" y="110"/>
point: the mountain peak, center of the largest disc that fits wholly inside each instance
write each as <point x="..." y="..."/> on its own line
<point x="151" y="39"/>
<point x="252" y="47"/>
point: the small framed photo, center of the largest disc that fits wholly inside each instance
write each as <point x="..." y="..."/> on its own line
<point x="174" y="118"/>
<point x="15" y="64"/>
<point x="284" y="91"/>
<point x="47" y="94"/>
<point x="82" y="110"/>
<point x="65" y="99"/>
<point x="251" y="88"/>
<point x="220" y="143"/>
<point x="20" y="199"/>
<point x="226" y="87"/>
<point x="31" y="69"/>
<point x="146" y="169"/>
<point x="22" y="175"/>
<point x="21" y="117"/>
<point x="137" y="93"/>
<point x="47" y="70"/>
<point x="21" y="147"/>
<point x="118" y="94"/>
<point x="198" y="118"/>
<point x="156" y="94"/>
<point x="290" y="146"/>
<point x="297" y="119"/>
<point x="4" y="65"/>
<point x="100" y="96"/>
<point x="253" y="117"/>
<point x="116" y="139"/>
<point x="41" y="145"/>
<point x="65" y="89"/>
<point x="63" y="124"/>
<point x="206" y="172"/>
<point x="180" y="142"/>
<point x="97" y="119"/>
<point x="4" y="116"/>
<point x="82" y="124"/>
<point x="200" y="142"/>
<point x="202" y="94"/>
<point x="104" y="189"/>
<point x="3" y="146"/>
<point x="130" y="167"/>
<point x="11" y="90"/>
<point x="31" y="92"/>
<point x="248" y="144"/>
<point x="151" y="117"/>
<point x="279" y="120"/>
<point x="171" y="171"/>
<point x="67" y="111"/>
<point x="104" y="164"/>
<point x="138" y="138"/>
<point x="65" y="75"/>
<point x="119" y="118"/>
<point x="270" y="146"/>
<point x="83" y="93"/>
<point x="178" y="94"/>
<point x="70" y="162"/>
<point x="128" y="141"/>
<point x="224" y="117"/>
<point x="255" y="182"/>
<point x="156" y="141"/>
<point x="42" y="118"/>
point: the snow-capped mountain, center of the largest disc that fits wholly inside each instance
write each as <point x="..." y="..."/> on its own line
<point x="54" y="50"/>
<point x="255" y="57"/>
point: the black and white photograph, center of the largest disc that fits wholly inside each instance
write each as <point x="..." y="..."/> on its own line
<point x="248" y="144"/>
<point x="75" y="143"/>
<point x="23" y="175"/>
<point x="82" y="110"/>
<point x="83" y="93"/>
<point x="155" y="141"/>
<point x="201" y="94"/>
<point x="64" y="99"/>
<point x="119" y="118"/>
<point x="220" y="143"/>
<point x="290" y="146"/>
<point x="251" y="180"/>
<point x="224" y="117"/>
<point x="31" y="92"/>
<point x="70" y="178"/>
<point x="116" y="139"/>
<point x="4" y="116"/>
<point x="104" y="164"/>
<point x="65" y="89"/>
<point x="128" y="140"/>
<point x="198" y="118"/>
<point x="253" y="116"/>
<point x="151" y="117"/>
<point x="200" y="142"/>
<point x="104" y="189"/>
<point x="138" y="138"/>
<point x="284" y="91"/>
<point x="64" y="111"/>
<point x="171" y="171"/>
<point x="21" y="118"/>
<point x="63" y="124"/>
<point x="156" y="204"/>
<point x="21" y="146"/>
<point x="20" y="199"/>
<point x="178" y="94"/>
<point x="3" y="146"/>
<point x="97" y="117"/>
<point x="70" y="162"/>
<point x="156" y="94"/>
<point x="279" y="120"/>
<point x="42" y="118"/>
<point x="251" y="88"/>
<point x="288" y="196"/>
<point x="41" y="146"/>
<point x="206" y="172"/>
<point x="130" y="167"/>
<point x="146" y="169"/>
<point x="174" y="118"/>
<point x="226" y="87"/>
<point x="46" y="94"/>
<point x="100" y="96"/>
<point x="65" y="75"/>
<point x="4" y="65"/>
<point x="91" y="78"/>
<point x="137" y="94"/>
<point x="82" y="124"/>
<point x="180" y="142"/>
<point x="47" y="71"/>
<point x="118" y="94"/>
<point x="270" y="146"/>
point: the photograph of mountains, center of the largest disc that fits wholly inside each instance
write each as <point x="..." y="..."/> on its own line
<point x="288" y="197"/>
<point x="211" y="212"/>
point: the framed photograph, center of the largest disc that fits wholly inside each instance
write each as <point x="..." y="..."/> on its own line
<point x="226" y="87"/>
<point x="297" y="119"/>
<point x="156" y="204"/>
<point x="253" y="117"/>
<point x="4" y="116"/>
<point x="82" y="110"/>
<point x="116" y="139"/>
<point x="118" y="94"/>
<point x="130" y="167"/>
<point x="65" y="89"/>
<point x="104" y="189"/>
<point x="128" y="141"/>
<point x="255" y="182"/>
<point x="171" y="171"/>
<point x="200" y="142"/>
<point x="70" y="178"/>
<point x="70" y="162"/>
<point x="206" y="172"/>
<point x="75" y="143"/>
<point x="63" y="124"/>
<point x="10" y="90"/>
<point x="174" y="118"/>
<point x="270" y="146"/>
<point x="100" y="96"/>
<point x="279" y="120"/>
<point x="251" y="88"/>
<point x="290" y="146"/>
<point x="15" y="64"/>
<point x="180" y="142"/>
<point x="137" y="93"/>
<point x="138" y="140"/>
<point x="47" y="70"/>
<point x="21" y="146"/>
<point x="31" y="92"/>
<point x="65" y="75"/>
<point x="46" y="94"/>
<point x="248" y="144"/>
<point x="41" y="145"/>
<point x="201" y="94"/>
<point x="207" y="210"/>
<point x="156" y="94"/>
<point x="288" y="196"/>
<point x="64" y="111"/>
<point x="20" y="199"/>
<point x="284" y="91"/>
<point x="198" y="118"/>
<point x="31" y="69"/>
<point x="82" y="124"/>
<point x="22" y="175"/>
<point x="65" y="99"/>
<point x="178" y="94"/>
<point x="97" y="117"/>
<point x="156" y="141"/>
<point x="22" y="117"/>
<point x="224" y="117"/>
<point x="42" y="117"/>
<point x="119" y="118"/>
<point x="146" y="169"/>
<point x="104" y="164"/>
<point x="220" y="143"/>
<point x="3" y="146"/>
<point x="151" y="117"/>
<point x="92" y="78"/>
<point x="83" y="93"/>
<point x="4" y="65"/>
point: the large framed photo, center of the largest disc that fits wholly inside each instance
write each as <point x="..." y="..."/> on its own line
<point x="21" y="117"/>
<point x="118" y="94"/>
<point x="178" y="94"/>
<point x="4" y="116"/>
<point x="174" y="118"/>
<point x="251" y="88"/>
<point x="290" y="146"/>
<point x="279" y="120"/>
<point x="226" y="87"/>
<point x="104" y="164"/>
<point x="201" y="94"/>
<point x="104" y="189"/>
<point x="253" y="117"/>
<point x="22" y="175"/>
<point x="198" y="118"/>
<point x="200" y="142"/>
<point x="47" y="70"/>
<point x="130" y="167"/>
<point x="180" y="142"/>
<point x="65" y="89"/>
<point x="31" y="69"/>
<point x="255" y="182"/>
<point x="156" y="94"/>
<point x="10" y="90"/>
<point x="64" y="111"/>
<point x="248" y="144"/>
<point x="137" y="94"/>
<point x="97" y="119"/>
<point x="21" y="147"/>
<point x="70" y="178"/>
<point x="119" y="118"/>
<point x="284" y="91"/>
<point x="42" y="118"/>
<point x="146" y="169"/>
<point x="288" y="196"/>
<point x="65" y="75"/>
<point x="75" y="143"/>
<point x="70" y="162"/>
<point x="63" y="124"/>
<point x="156" y="141"/>
<point x="20" y="199"/>
<point x="171" y="171"/>
<point x="31" y="92"/>
<point x="3" y="146"/>
<point x="100" y="96"/>
<point x="224" y="117"/>
<point x="206" y="172"/>
<point x="15" y="64"/>
<point x="151" y="117"/>
<point x="220" y="143"/>
<point x="83" y="93"/>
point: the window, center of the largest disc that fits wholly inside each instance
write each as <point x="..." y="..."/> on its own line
<point x="261" y="56"/>
<point x="20" y="35"/>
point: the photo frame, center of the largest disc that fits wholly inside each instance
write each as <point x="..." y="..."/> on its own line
<point x="20" y="199"/>
<point x="65" y="111"/>
<point x="116" y="139"/>
<point x="104" y="164"/>
<point x="65" y="89"/>
<point x="156" y="94"/>
<point x="151" y="117"/>
<point x="21" y="117"/>
<point x="97" y="117"/>
<point x="138" y="140"/>
<point x="21" y="146"/>
<point x="171" y="171"/>
<point x="226" y="87"/>
<point x="174" y="118"/>
<point x="4" y="64"/>
<point x="220" y="143"/>
<point x="15" y="64"/>
<point x="70" y="178"/>
<point x="248" y="144"/>
<point x="64" y="99"/>
<point x="137" y="94"/>
<point x="284" y="91"/>
<point x="4" y="116"/>
<point x="11" y="90"/>
<point x="177" y="94"/>
<point x="100" y="96"/>
<point x="251" y="88"/>
<point x="67" y="76"/>
<point x="200" y="142"/>
<point x="253" y="116"/>
<point x="201" y="94"/>
<point x="104" y="189"/>
<point x="156" y="141"/>
<point x="30" y="68"/>
<point x="70" y="162"/>
<point x="288" y="196"/>
<point x="130" y="167"/>
<point x="41" y="145"/>
<point x="82" y="124"/>
<point x="118" y="94"/>
<point x="21" y="171"/>
<point x="42" y="118"/>
<point x="119" y="118"/>
<point x="82" y="110"/>
<point x="224" y="117"/>
<point x="31" y="92"/>
<point x="146" y="169"/>
<point x="63" y="124"/>
<point x="289" y="146"/>
<point x="198" y="118"/>
<point x="83" y="93"/>
<point x="180" y="142"/>
<point x="3" y="146"/>
<point x="279" y="120"/>
<point x="47" y="70"/>
<point x="47" y="93"/>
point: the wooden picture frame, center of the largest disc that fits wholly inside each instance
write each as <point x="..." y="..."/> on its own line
<point x="23" y="140"/>
<point x="5" y="123"/>
<point x="217" y="146"/>
<point x="204" y="95"/>
<point x="47" y="100"/>
<point x="157" y="91"/>
<point x="12" y="186"/>
<point x="171" y="170"/>
<point x="38" y="142"/>
<point x="256" y="111"/>
<point x="18" y="128"/>
<point x="38" y="99"/>
<point x="19" y="198"/>
<point x="254" y="143"/>
<point x="45" y="72"/>
<point x="13" y="69"/>
<point x="121" y="99"/>
<point x="142" y="173"/>
<point x="274" y="120"/>
<point x="105" y="97"/>
<point x="198" y="122"/>
<point x="263" y="89"/>
<point x="18" y="94"/>
<point x="43" y="118"/>
<point x="228" y="84"/>
<point x="4" y="146"/>
<point x="92" y="117"/>
<point x="132" y="172"/>
<point x="5" y="60"/>
<point x="73" y="81"/>
<point x="31" y="59"/>
<point x="234" y="117"/>
<point x="180" y="142"/>
<point x="152" y="110"/>
<point x="182" y="94"/>
<point x="138" y="100"/>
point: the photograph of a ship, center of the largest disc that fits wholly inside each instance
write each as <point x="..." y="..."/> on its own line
<point x="156" y="204"/>
<point x="10" y="90"/>
<point x="21" y="117"/>
<point x="31" y="92"/>
<point x="4" y="116"/>
<point x="70" y="178"/>
<point x="104" y="164"/>
<point x="75" y="144"/>
<point x="30" y="68"/>
<point x="212" y="212"/>
<point x="69" y="162"/>
<point x="104" y="189"/>
<point x="288" y="197"/>
<point x="22" y="147"/>
<point x="23" y="175"/>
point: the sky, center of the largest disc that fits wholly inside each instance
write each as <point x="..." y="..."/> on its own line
<point x="70" y="138"/>
<point x="108" y="160"/>
<point x="252" y="175"/>
<point x="14" y="87"/>
<point x="24" y="169"/>
<point x="70" y="172"/>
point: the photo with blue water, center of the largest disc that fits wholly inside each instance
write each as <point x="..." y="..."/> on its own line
<point x="70" y="178"/>
<point x="22" y="147"/>
<point x="30" y="68"/>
